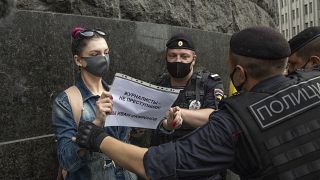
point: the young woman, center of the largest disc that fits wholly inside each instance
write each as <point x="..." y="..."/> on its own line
<point x="91" y="54"/>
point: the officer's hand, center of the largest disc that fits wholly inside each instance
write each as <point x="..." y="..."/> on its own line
<point x="90" y="136"/>
<point x="103" y="107"/>
<point x="174" y="119"/>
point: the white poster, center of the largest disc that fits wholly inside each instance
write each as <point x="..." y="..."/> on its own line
<point x="139" y="104"/>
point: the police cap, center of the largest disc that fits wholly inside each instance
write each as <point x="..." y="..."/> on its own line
<point x="261" y="43"/>
<point x="180" y="41"/>
<point x="303" y="38"/>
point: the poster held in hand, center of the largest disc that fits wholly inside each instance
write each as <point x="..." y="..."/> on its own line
<point x="139" y="104"/>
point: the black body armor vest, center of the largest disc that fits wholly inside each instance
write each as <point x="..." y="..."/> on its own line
<point x="282" y="126"/>
<point x="193" y="91"/>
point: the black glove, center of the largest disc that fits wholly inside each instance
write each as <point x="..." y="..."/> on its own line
<point x="90" y="136"/>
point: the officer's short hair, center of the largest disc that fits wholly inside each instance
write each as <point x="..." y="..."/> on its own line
<point x="257" y="68"/>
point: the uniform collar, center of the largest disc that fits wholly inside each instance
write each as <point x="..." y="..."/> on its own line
<point x="267" y="82"/>
<point x="193" y="77"/>
<point x="85" y="92"/>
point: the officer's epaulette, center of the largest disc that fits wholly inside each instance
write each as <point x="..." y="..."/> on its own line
<point x="204" y="75"/>
<point x="215" y="77"/>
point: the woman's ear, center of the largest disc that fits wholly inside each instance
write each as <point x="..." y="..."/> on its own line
<point x="77" y="60"/>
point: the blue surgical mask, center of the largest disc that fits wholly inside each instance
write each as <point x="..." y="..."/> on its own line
<point x="97" y="65"/>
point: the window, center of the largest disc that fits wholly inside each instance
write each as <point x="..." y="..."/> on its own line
<point x="305" y="25"/>
<point x="298" y="29"/>
<point x="293" y="14"/>
<point x="282" y="19"/>
<point x="286" y="32"/>
<point x="310" y="7"/>
<point x="297" y="11"/>
<point x="305" y="9"/>
<point x="311" y="23"/>
<point x="283" y="33"/>
<point x="281" y="3"/>
<point x="293" y="31"/>
<point x="286" y="17"/>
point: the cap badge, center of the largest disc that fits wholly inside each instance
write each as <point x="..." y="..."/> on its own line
<point x="180" y="43"/>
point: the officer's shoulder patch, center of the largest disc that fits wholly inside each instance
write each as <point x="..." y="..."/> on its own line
<point x="218" y="94"/>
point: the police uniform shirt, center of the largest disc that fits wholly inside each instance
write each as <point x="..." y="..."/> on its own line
<point x="214" y="147"/>
<point x="210" y="87"/>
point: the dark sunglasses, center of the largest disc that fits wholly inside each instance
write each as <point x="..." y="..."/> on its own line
<point x="90" y="33"/>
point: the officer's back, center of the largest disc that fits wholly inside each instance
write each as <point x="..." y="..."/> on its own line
<point x="278" y="115"/>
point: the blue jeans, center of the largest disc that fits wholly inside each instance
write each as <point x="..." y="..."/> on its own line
<point x="110" y="171"/>
<point x="98" y="167"/>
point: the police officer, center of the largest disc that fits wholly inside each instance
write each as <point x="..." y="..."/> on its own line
<point x="305" y="49"/>
<point x="270" y="130"/>
<point x="200" y="92"/>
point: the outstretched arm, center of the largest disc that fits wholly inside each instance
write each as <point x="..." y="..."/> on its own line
<point x="127" y="156"/>
<point x="193" y="117"/>
<point x="209" y="148"/>
<point x="196" y="118"/>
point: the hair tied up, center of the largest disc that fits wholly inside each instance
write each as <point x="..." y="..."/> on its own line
<point x="76" y="31"/>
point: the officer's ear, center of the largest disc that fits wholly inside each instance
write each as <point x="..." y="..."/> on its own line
<point x="194" y="59"/>
<point x="314" y="61"/>
<point x="240" y="74"/>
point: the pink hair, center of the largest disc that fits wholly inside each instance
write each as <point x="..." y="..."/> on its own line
<point x="76" y="31"/>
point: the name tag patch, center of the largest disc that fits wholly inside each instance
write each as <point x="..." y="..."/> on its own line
<point x="286" y="103"/>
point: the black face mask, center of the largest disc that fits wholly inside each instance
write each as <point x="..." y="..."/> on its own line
<point x="97" y="65"/>
<point x="178" y="69"/>
<point x="239" y="87"/>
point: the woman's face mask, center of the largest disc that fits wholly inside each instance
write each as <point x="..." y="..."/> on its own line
<point x="97" y="65"/>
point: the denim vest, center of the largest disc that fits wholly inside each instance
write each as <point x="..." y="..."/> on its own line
<point x="92" y="165"/>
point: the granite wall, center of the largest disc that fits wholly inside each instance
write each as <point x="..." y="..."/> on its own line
<point x="36" y="63"/>
<point x="218" y="15"/>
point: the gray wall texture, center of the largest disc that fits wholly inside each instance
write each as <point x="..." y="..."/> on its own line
<point x="36" y="64"/>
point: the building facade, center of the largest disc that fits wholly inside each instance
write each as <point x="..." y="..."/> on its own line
<point x="297" y="15"/>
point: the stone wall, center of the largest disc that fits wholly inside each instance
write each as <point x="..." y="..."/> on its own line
<point x="225" y="16"/>
<point x="36" y="64"/>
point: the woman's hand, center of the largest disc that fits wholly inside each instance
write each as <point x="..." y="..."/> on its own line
<point x="103" y="107"/>
<point x="174" y="119"/>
